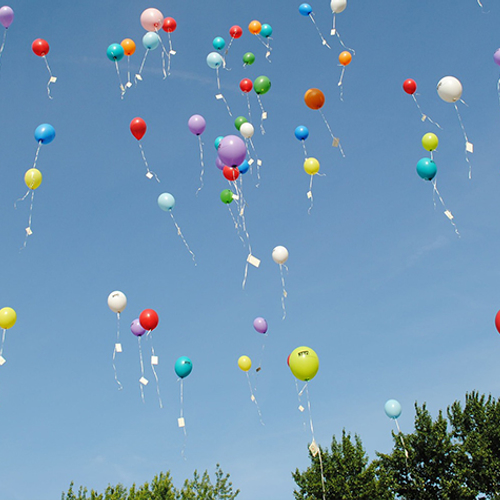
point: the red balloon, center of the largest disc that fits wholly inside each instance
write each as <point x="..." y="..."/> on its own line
<point x="409" y="86"/>
<point x="230" y="173"/>
<point x="138" y="128"/>
<point x="40" y="47"/>
<point x="148" y="319"/>
<point x="246" y="85"/>
<point x="169" y="24"/>
<point x="236" y="31"/>
<point x="497" y="321"/>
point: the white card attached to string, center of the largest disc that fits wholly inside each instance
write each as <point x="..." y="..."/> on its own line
<point x="252" y="397"/>
<point x="264" y="115"/>
<point x="128" y="84"/>
<point x="449" y="214"/>
<point x="253" y="260"/>
<point x="29" y="232"/>
<point x="250" y="161"/>
<point x="138" y="77"/>
<point x="219" y="96"/>
<point x="235" y="197"/>
<point x="285" y="294"/>
<point x="309" y="194"/>
<point x="424" y="117"/>
<point x="469" y="147"/>
<point x="259" y="163"/>
<point x="149" y="175"/>
<point x="2" y="360"/>
<point x="144" y="381"/>
<point x="301" y="408"/>
<point x="118" y="347"/>
<point x="333" y="32"/>
<point x="154" y="360"/>
<point x="53" y="79"/>
<point x="336" y="142"/>
<point x="181" y="422"/>
<point x="173" y="52"/>
<point x="313" y="448"/>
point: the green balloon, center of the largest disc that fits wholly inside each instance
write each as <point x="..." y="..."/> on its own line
<point x="239" y="122"/>
<point x="226" y="196"/>
<point x="262" y="84"/>
<point x="248" y="58"/>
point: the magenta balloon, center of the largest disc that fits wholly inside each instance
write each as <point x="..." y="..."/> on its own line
<point x="197" y="124"/>
<point x="232" y="151"/>
<point x="6" y="16"/>
<point x="219" y="163"/>
<point x="136" y="328"/>
<point x="260" y="324"/>
<point x="496" y="57"/>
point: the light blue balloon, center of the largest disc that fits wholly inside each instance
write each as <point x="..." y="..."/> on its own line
<point x="305" y="9"/>
<point x="115" y="52"/>
<point x="214" y="60"/>
<point x="150" y="40"/>
<point x="217" y="141"/>
<point x="166" y="202"/>
<point x="392" y="408"/>
<point x="427" y="169"/>
<point x="183" y="367"/>
<point x="301" y="132"/>
<point x="45" y="133"/>
<point x="243" y="168"/>
<point x="266" y="31"/>
<point x="219" y="43"/>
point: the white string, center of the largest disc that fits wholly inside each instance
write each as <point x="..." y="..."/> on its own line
<point x="150" y="173"/>
<point x="311" y="195"/>
<point x="446" y="211"/>
<point x="202" y="165"/>
<point x="3" y="341"/>
<point x="179" y="232"/>
<point x="465" y="137"/>
<point x="267" y="45"/>
<point x="262" y="353"/>
<point x="142" y="368"/>
<point x="150" y="335"/>
<point x="52" y="78"/>
<point x="335" y="32"/>
<point x="304" y="146"/>
<point x="122" y="88"/>
<point x="236" y="224"/>
<point x="129" y="83"/>
<point x="262" y="115"/>
<point x="120" y="387"/>
<point x="3" y="42"/>
<point x="340" y="84"/>
<point x="254" y="399"/>
<point x="164" y="53"/>
<point x="36" y="154"/>
<point x="138" y="76"/>
<point x="319" y="32"/>
<point x="284" y="294"/>
<point x="28" y="229"/>
<point x="336" y="141"/>
<point x="250" y="111"/>
<point x="229" y="46"/>
<point x="222" y="98"/>
<point x="424" y="116"/>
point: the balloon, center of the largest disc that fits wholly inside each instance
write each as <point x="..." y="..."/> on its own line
<point x="45" y="133"/>
<point x="248" y="58"/>
<point x="301" y="133"/>
<point x="245" y="363"/>
<point x="117" y="301"/>
<point x="115" y="52"/>
<point x="169" y="24"/>
<point x="218" y="141"/>
<point x="152" y="19"/>
<point x="449" y="89"/>
<point x="426" y="168"/>
<point x="497" y="321"/>
<point x="219" y="43"/>
<point x="150" y="40"/>
<point x="280" y="255"/>
<point x="260" y="324"/>
<point x="392" y="408"/>
<point x="219" y="163"/>
<point x="136" y="328"/>
<point x="247" y="130"/>
<point x="262" y="84"/>
<point x="128" y="46"/>
<point x="232" y="150"/>
<point x="496" y="56"/>
<point x="148" y="319"/>
<point x="6" y="16"/>
<point x="226" y="196"/>
<point x="314" y="98"/>
<point x="8" y="318"/>
<point x="345" y="58"/>
<point x="230" y="173"/>
<point x="430" y="141"/>
<point x="246" y="85"/>
<point x="304" y="363"/>
<point x="183" y="367"/>
<point x="235" y="31"/>
<point x="214" y="60"/>
<point x="239" y="122"/>
<point x="197" y="124"/>
<point x="305" y="9"/>
<point x="40" y="47"/>
<point x="254" y="27"/>
<point x="33" y="178"/>
<point x="311" y="166"/>
<point x="266" y="31"/>
<point x="243" y="168"/>
<point x="138" y="128"/>
<point x="410" y="86"/>
<point x="338" y="6"/>
<point x="166" y="202"/>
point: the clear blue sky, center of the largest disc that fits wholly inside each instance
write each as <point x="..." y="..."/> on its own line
<point x="379" y="285"/>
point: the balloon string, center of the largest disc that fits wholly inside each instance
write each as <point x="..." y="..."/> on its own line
<point x="304" y="146"/>
<point x="345" y="46"/>
<point x="37" y="152"/>
<point x="254" y="399"/>
<point x="336" y="141"/>
<point x="259" y="162"/>
<point x="28" y="229"/>
<point x="404" y="446"/>
<point x="229" y="46"/>
<point x="340" y="84"/>
<point x="284" y="294"/>
<point x="142" y="369"/>
<point x="3" y="341"/>
<point x="129" y="83"/>
<point x="170" y="43"/>
<point x="164" y="53"/>
<point x="424" y="116"/>
<point x="182" y="411"/>
<point x="138" y="76"/>
<point x="21" y="199"/>
<point x="310" y="195"/>
<point x="446" y="211"/>
<point x="221" y="97"/>
<point x="202" y="162"/>
<point x="52" y="78"/>
<point x="122" y="88"/>
<point x="236" y="225"/>
<point x="267" y="45"/>
<point x="262" y="353"/>
<point x="120" y="387"/>
<point x="466" y="140"/>
<point x="154" y="371"/>
<point x="250" y="111"/>
<point x="3" y="42"/>
<point x="179" y="232"/>
<point x="263" y="115"/>
<point x="150" y="173"/>
<point x="323" y="41"/>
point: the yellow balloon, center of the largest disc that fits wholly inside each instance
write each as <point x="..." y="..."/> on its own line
<point x="430" y="141"/>
<point x="304" y="363"/>
<point x="311" y="166"/>
<point x="245" y="363"/>
<point x="8" y="318"/>
<point x="33" y="178"/>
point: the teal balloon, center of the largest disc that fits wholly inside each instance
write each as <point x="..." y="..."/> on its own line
<point x="214" y="60"/>
<point x="219" y="43"/>
<point x="426" y="168"/>
<point x="183" y="367"/>
<point x="166" y="202"/>
<point x="392" y="408"/>
<point x="150" y="40"/>
<point x="115" y="52"/>
<point x="217" y="141"/>
<point x="266" y="31"/>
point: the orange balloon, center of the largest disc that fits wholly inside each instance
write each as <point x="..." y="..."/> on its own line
<point x="345" y="58"/>
<point x="254" y="27"/>
<point x="314" y="98"/>
<point x="128" y="46"/>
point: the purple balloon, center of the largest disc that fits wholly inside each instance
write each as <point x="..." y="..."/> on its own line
<point x="197" y="124"/>
<point x="232" y="151"/>
<point x="6" y="16"/>
<point x="136" y="328"/>
<point x="219" y="163"/>
<point x="496" y="57"/>
<point x="260" y="324"/>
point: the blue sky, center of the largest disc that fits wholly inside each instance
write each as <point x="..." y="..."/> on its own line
<point x="393" y="302"/>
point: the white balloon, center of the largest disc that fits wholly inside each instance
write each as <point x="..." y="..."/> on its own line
<point x="117" y="301"/>
<point x="280" y="255"/>
<point x="449" y="89"/>
<point x="247" y="130"/>
<point x="338" y="6"/>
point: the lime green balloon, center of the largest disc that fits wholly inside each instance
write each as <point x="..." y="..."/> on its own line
<point x="304" y="363"/>
<point x="262" y="84"/>
<point x="240" y="121"/>
<point x="248" y="58"/>
<point x="430" y="141"/>
<point x="226" y="196"/>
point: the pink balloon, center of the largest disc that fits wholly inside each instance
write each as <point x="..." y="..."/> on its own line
<point x="152" y="20"/>
<point x="6" y="16"/>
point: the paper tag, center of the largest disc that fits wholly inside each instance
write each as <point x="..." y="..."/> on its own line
<point x="324" y="42"/>
<point x="259" y="163"/>
<point x="268" y="54"/>
<point x="149" y="175"/>
<point x="313" y="448"/>
<point x="144" y="381"/>
<point x="128" y="84"/>
<point x="333" y="32"/>
<point x="118" y="347"/>
<point x="253" y="260"/>
<point x="264" y="115"/>
<point x="301" y="408"/>
<point x="138" y="77"/>
<point x="469" y="147"/>
<point x="336" y="142"/>
<point x="154" y="360"/>
<point x="219" y="96"/>
<point x="29" y="232"/>
<point x="448" y="214"/>
<point x="2" y="360"/>
<point x="173" y="52"/>
<point x="309" y="194"/>
<point x="252" y="397"/>
<point x="235" y="197"/>
<point x="250" y="161"/>
<point x="122" y="88"/>
<point x="53" y="79"/>
<point x="181" y="422"/>
<point x="424" y="117"/>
